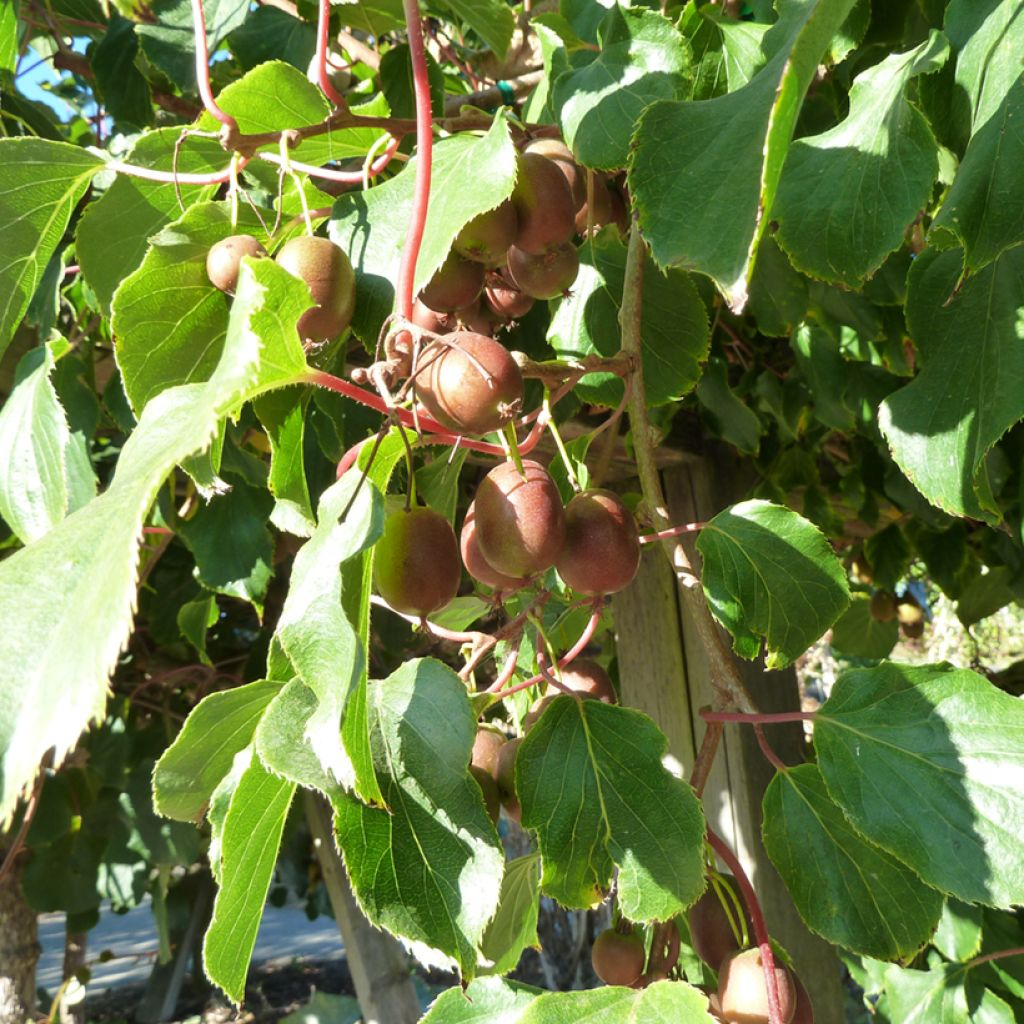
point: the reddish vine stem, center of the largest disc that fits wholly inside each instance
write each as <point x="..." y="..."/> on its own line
<point x="773" y="718"/>
<point x="766" y="749"/>
<point x="673" y="531"/>
<point x="173" y="177"/>
<point x="203" y="69"/>
<point x="424" y="151"/>
<point x="705" y="757"/>
<point x="756" y="919"/>
<point x="322" y="27"/>
<point x="988" y="957"/>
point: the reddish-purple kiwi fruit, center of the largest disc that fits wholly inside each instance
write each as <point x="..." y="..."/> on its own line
<point x="618" y="959"/>
<point x="476" y="565"/>
<point x="506" y="300"/>
<point x="546" y="276"/>
<point x="883" y="606"/>
<point x="469" y="383"/>
<point x="483" y="765"/>
<point x="602" y="544"/>
<point x="585" y="678"/>
<point x="711" y="934"/>
<point x="329" y="276"/>
<point x="544" y="205"/>
<point x="486" y="238"/>
<point x="476" y="318"/>
<point x="456" y="284"/>
<point x="561" y="156"/>
<point x="603" y="208"/>
<point x="505" y="776"/>
<point x="744" y="995"/>
<point x="520" y="522"/>
<point x="416" y="562"/>
<point x="224" y="259"/>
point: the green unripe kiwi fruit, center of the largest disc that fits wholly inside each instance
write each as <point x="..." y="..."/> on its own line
<point x="224" y="259"/>
<point x="544" y="205"/>
<point x="486" y="238"/>
<point x="469" y="382"/>
<point x="546" y="276"/>
<point x="618" y="959"/>
<point x="416" y="562"/>
<point x="520" y="522"/>
<point x="456" y="284"/>
<point x="328" y="274"/>
<point x="744" y="995"/>
<point x="602" y="544"/>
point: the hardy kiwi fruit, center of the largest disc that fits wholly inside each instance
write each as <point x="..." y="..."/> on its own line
<point x="618" y="959"/>
<point x="486" y="238"/>
<point x="744" y="995"/>
<point x="546" y="276"/>
<point x="561" y="156"/>
<point x="224" y="258"/>
<point x="476" y="565"/>
<point x="328" y="274"/>
<point x="602" y="544"/>
<point x="544" y="205"/>
<point x="456" y="284"/>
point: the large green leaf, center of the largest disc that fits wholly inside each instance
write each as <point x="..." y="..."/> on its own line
<point x="8" y="35"/>
<point x="429" y="868"/>
<point x="283" y="416"/>
<point x="40" y="184"/>
<point x="249" y="841"/>
<point x="727" y="415"/>
<point x="966" y="394"/>
<point x="45" y="471"/>
<point x="660" y="1003"/>
<point x="114" y="231"/>
<point x="928" y="763"/>
<point x="591" y="783"/>
<point x="770" y="573"/>
<point x="642" y="58"/>
<point x="218" y="727"/>
<point x="847" y="195"/>
<point x="484" y="1001"/>
<point x="514" y="925"/>
<point x="470" y="175"/>
<point x="847" y="890"/>
<point x="675" y="331"/>
<point x="168" y="319"/>
<point x="984" y="208"/>
<point x="492" y="20"/>
<point x="301" y="737"/>
<point x="942" y="996"/>
<point x="703" y="174"/>
<point x="75" y="587"/>
<point x="121" y="86"/>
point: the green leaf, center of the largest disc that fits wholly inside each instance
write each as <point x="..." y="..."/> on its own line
<point x="927" y="762"/>
<point x="233" y="548"/>
<point x="269" y="34"/>
<point x="659" y="1003"/>
<point x="642" y="59"/>
<point x="846" y="889"/>
<point x="848" y="194"/>
<point x="492" y="20"/>
<point x="888" y="554"/>
<point x="41" y="182"/>
<point x="398" y="89"/>
<point x="303" y="729"/>
<point x="726" y="53"/>
<point x="858" y="634"/>
<point x="45" y="471"/>
<point x="283" y="416"/>
<point x="940" y="996"/>
<point x="76" y="585"/>
<point x="674" y="332"/>
<point x="514" y="925"/>
<point x="114" y="231"/>
<point x="958" y="936"/>
<point x="728" y="416"/>
<point x="195" y="619"/>
<point x="986" y="594"/>
<point x="484" y="1001"/>
<point x="704" y="174"/>
<point x="249" y="843"/>
<point x="469" y="176"/>
<point x="121" y="85"/>
<point x="984" y="208"/>
<point x="778" y="294"/>
<point x="437" y="481"/>
<point x="964" y="398"/>
<point x="8" y="35"/>
<point x="169" y="321"/>
<point x="429" y="869"/>
<point x="169" y="43"/>
<point x="988" y="36"/>
<point x="217" y="728"/>
<point x="828" y="375"/>
<point x="770" y="573"/>
<point x="591" y="783"/>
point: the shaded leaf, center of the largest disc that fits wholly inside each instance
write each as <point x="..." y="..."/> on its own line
<point x="928" y="762"/>
<point x="514" y="925"/>
<point x="728" y="415"/>
<point x="590" y="781"/>
<point x="858" y="634"/>
<point x="770" y="573"/>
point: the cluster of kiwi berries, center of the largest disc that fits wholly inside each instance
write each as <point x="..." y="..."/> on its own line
<point x="619" y="958"/>
<point x="523" y="249"/>
<point x="885" y="607"/>
<point x="324" y="266"/>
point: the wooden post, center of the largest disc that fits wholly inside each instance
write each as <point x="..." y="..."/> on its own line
<point x="665" y="673"/>
<point x="19" y="950"/>
<point x="379" y="966"/>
